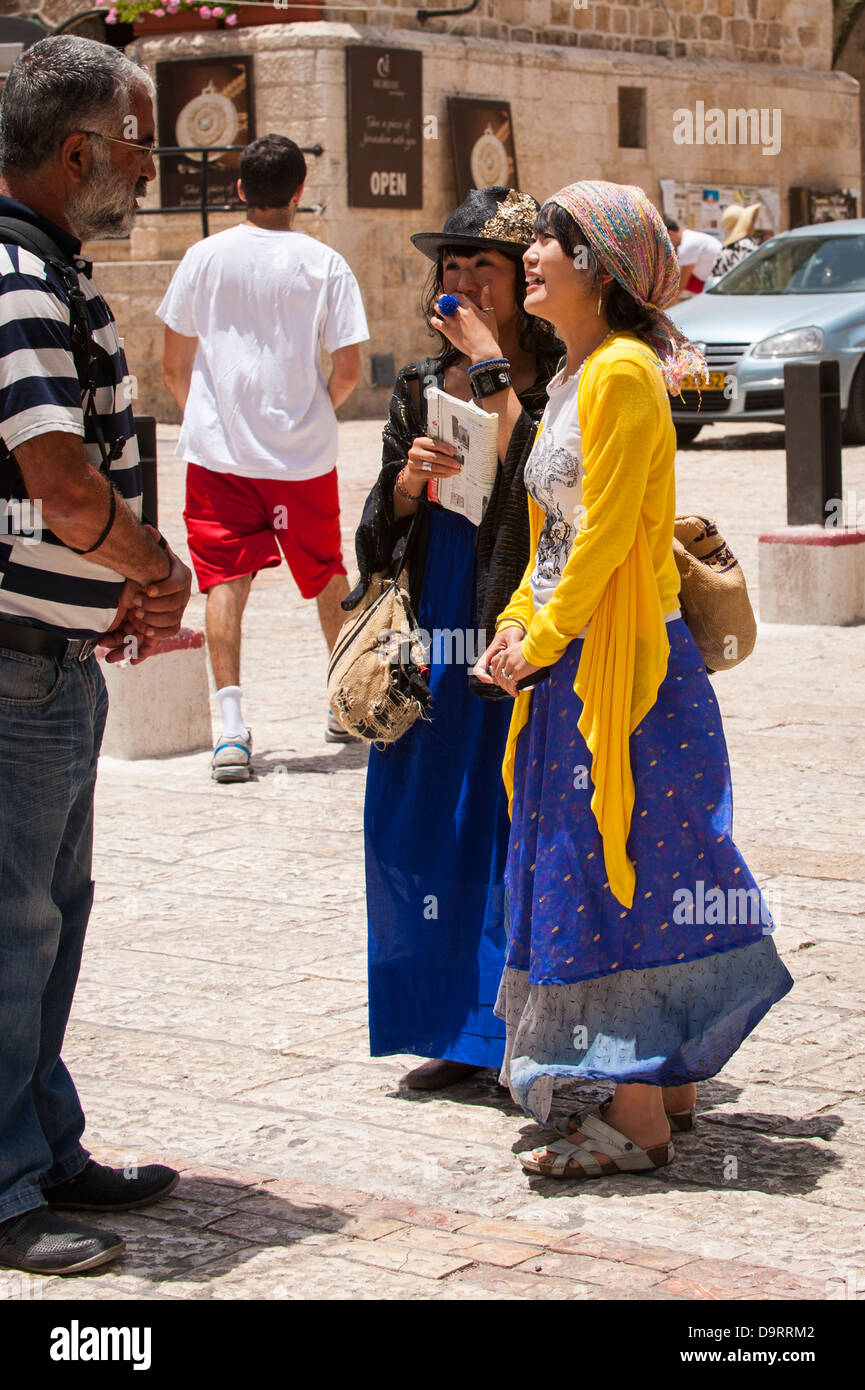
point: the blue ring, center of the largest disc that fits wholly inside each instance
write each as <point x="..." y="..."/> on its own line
<point x="448" y="305"/>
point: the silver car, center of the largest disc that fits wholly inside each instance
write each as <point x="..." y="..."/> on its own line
<point x="800" y="297"/>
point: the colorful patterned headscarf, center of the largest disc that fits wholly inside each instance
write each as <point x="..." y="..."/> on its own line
<point x="628" y="236"/>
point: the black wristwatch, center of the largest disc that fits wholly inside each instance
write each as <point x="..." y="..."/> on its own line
<point x="489" y="381"/>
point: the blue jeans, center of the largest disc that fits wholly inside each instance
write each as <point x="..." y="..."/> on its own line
<point x="52" y="716"/>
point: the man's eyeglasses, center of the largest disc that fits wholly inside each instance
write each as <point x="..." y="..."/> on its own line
<point x="146" y="148"/>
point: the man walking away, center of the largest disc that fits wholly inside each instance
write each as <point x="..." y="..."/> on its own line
<point x="247" y="314"/>
<point x="697" y="252"/>
<point x="76" y="131"/>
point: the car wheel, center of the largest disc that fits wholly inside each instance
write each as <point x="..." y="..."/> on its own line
<point x="854" y="420"/>
<point x="686" y="434"/>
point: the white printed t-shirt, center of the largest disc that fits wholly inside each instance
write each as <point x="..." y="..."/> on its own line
<point x="262" y="304"/>
<point x="554" y="479"/>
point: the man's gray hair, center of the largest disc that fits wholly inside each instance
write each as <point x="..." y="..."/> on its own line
<point x="60" y="85"/>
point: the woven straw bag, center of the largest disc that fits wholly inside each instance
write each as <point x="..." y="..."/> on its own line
<point x="714" y="596"/>
<point x="376" y="677"/>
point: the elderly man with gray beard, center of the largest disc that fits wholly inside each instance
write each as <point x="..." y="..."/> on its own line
<point x="76" y="144"/>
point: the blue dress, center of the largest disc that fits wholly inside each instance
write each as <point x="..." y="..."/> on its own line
<point x="436" y="836"/>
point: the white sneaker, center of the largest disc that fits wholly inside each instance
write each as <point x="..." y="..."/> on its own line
<point x="335" y="733"/>
<point x="231" y="759"/>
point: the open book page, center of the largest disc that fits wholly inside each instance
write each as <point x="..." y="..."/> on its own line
<point x="474" y="433"/>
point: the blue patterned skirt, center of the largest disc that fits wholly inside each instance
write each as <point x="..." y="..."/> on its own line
<point x="666" y="991"/>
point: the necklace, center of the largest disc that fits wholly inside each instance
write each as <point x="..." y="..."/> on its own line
<point x="580" y="365"/>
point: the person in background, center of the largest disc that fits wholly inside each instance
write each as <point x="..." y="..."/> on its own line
<point x="616" y="762"/>
<point x="247" y="314"/>
<point x="697" y="252"/>
<point x="436" y="824"/>
<point x="76" y="136"/>
<point x="739" y="225"/>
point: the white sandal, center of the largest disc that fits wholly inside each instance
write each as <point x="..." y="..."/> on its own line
<point x="627" y="1157"/>
<point x="681" y="1121"/>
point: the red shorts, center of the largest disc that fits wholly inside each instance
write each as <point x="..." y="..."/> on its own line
<point x="237" y="526"/>
<point x="694" y="285"/>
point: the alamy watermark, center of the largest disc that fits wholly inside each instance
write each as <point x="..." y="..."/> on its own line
<point x="77" y="1343"/>
<point x="846" y="513"/>
<point x="21" y="517"/>
<point x="714" y="907"/>
<point x="735" y="126"/>
<point x="16" y="1287"/>
<point x="443" y="646"/>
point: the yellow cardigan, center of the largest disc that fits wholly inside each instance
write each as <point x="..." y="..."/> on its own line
<point x="620" y="579"/>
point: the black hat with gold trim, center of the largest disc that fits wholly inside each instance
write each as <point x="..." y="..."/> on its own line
<point x="500" y="218"/>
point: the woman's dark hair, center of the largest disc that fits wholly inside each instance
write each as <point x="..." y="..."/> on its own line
<point x="271" y="171"/>
<point x="624" y="314"/>
<point x="534" y="335"/>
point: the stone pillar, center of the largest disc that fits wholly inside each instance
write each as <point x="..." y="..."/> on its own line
<point x="811" y="575"/>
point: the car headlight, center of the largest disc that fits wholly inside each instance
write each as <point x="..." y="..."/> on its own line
<point x="796" y="342"/>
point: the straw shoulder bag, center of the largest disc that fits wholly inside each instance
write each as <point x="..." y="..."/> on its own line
<point x="714" y="596"/>
<point x="376" y="677"/>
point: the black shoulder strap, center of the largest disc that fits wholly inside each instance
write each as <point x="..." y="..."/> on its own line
<point x="15" y="232"/>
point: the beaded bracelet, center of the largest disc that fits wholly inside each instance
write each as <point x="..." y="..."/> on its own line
<point x="490" y="362"/>
<point x="411" y="496"/>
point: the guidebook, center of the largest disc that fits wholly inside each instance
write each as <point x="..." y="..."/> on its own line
<point x="474" y="433"/>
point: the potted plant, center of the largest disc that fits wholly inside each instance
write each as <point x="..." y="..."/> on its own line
<point x="152" y="17"/>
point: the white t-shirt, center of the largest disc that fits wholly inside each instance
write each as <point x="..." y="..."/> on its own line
<point x="262" y="304"/>
<point x="699" y="249"/>
<point x="554" y="478"/>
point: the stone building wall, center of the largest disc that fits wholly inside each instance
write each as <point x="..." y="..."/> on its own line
<point x="50" y="12"/>
<point x="564" y="106"/>
<point x="794" y="33"/>
<point x="797" y="33"/>
<point x="851" y="59"/>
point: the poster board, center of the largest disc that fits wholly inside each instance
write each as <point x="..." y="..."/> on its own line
<point x="700" y="206"/>
<point x="809" y="206"/>
<point x="384" y="127"/>
<point x="206" y="102"/>
<point x="482" y="138"/>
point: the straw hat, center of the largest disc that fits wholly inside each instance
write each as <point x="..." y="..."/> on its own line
<point x="739" y="221"/>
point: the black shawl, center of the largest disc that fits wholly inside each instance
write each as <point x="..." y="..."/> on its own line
<point x="502" y="540"/>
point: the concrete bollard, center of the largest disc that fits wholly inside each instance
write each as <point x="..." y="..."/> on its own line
<point x="161" y="707"/>
<point x="811" y="574"/>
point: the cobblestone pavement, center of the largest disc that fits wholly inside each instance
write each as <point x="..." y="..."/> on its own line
<point x="220" y="1020"/>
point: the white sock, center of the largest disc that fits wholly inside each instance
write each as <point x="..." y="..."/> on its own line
<point x="229" y="702"/>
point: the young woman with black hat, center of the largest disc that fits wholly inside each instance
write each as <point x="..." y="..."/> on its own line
<point x="436" y="824"/>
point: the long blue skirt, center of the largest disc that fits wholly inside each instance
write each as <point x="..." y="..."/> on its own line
<point x="664" y="992"/>
<point x="436" y="834"/>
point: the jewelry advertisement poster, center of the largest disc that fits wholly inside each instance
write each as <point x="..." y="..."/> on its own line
<point x="483" y="143"/>
<point x="203" y="102"/>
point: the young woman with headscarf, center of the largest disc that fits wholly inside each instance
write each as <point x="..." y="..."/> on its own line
<point x="435" y="824"/>
<point x="639" y="948"/>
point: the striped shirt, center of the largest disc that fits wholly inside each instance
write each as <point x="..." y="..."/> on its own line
<point x="41" y="579"/>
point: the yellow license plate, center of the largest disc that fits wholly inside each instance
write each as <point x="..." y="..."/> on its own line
<point x="716" y="383"/>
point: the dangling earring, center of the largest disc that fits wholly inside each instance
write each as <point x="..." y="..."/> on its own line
<point x="600" y="301"/>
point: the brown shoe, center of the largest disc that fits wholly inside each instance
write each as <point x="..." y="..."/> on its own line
<point x="436" y="1076"/>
